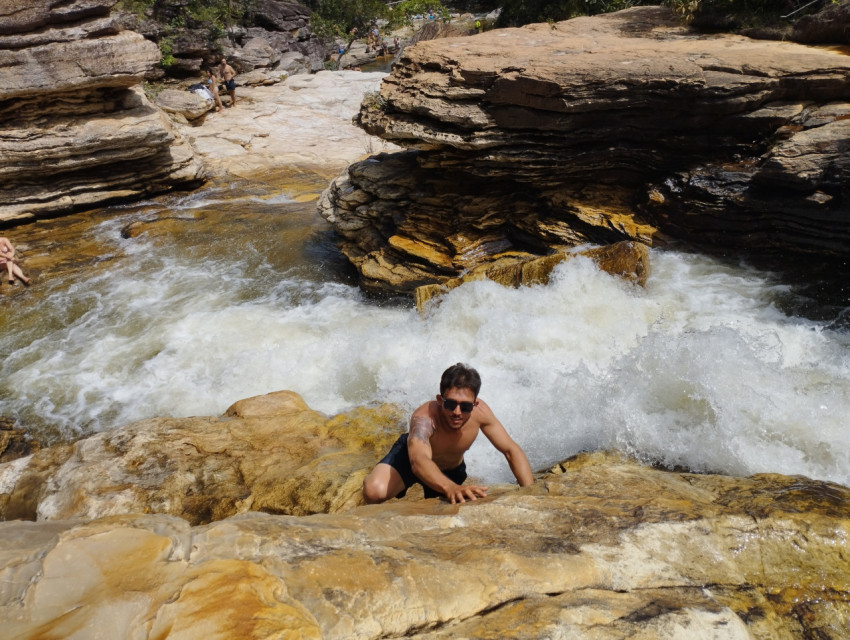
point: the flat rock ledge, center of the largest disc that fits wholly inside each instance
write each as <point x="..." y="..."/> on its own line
<point x="625" y="126"/>
<point x="76" y="129"/>
<point x="600" y="547"/>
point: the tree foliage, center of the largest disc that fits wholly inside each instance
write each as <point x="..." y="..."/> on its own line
<point x="519" y="12"/>
<point x="516" y="13"/>
<point x="340" y="17"/>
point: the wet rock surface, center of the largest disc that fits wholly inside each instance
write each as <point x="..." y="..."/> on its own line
<point x="622" y="126"/>
<point x="270" y="453"/>
<point x="598" y="547"/>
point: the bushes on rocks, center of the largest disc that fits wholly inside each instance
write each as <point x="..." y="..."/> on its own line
<point x="709" y="14"/>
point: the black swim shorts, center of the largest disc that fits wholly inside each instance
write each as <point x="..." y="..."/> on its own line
<point x="230" y="85"/>
<point x="399" y="460"/>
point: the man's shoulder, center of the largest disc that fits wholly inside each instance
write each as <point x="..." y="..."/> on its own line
<point x="425" y="408"/>
<point x="485" y="414"/>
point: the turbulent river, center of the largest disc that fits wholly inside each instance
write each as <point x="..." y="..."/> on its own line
<point x="238" y="290"/>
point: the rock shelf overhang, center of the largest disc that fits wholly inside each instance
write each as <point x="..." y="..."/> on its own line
<point x="626" y="126"/>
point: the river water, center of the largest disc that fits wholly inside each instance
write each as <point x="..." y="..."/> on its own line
<point x="238" y="290"/>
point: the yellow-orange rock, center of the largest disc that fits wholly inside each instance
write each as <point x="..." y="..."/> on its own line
<point x="629" y="260"/>
<point x="599" y="547"/>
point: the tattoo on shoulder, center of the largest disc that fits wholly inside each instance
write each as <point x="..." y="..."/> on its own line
<point x="421" y="428"/>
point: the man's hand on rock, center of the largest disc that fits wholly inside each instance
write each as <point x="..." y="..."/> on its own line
<point x="462" y="493"/>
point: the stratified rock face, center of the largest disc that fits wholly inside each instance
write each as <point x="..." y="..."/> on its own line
<point x="524" y="139"/>
<point x="597" y="548"/>
<point x="75" y="128"/>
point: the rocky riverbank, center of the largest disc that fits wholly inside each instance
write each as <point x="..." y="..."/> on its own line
<point x="622" y="126"/>
<point x="250" y="524"/>
<point x="153" y="531"/>
<point x="77" y="129"/>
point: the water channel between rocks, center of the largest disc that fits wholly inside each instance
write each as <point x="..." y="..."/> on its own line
<point x="237" y="290"/>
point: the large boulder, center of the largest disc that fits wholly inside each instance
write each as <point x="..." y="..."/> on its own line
<point x="621" y="126"/>
<point x="77" y="130"/>
<point x="185" y="106"/>
<point x="599" y="547"/>
<point x="270" y="453"/>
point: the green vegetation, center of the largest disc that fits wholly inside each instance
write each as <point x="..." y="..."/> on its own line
<point x="216" y="16"/>
<point x="519" y="12"/>
<point x="152" y="90"/>
<point x="339" y="18"/>
<point x="741" y="12"/>
<point x="373" y="101"/>
<point x="166" y="48"/>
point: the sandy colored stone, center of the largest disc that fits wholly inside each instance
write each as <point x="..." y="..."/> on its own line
<point x="599" y="547"/>
<point x="304" y="120"/>
<point x="623" y="126"/>
<point x="271" y="453"/>
<point x="629" y="260"/>
<point x="77" y="130"/>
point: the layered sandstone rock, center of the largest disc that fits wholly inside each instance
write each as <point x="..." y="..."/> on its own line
<point x="270" y="453"/>
<point x="75" y="127"/>
<point x="628" y="260"/>
<point x="599" y="547"/>
<point x="597" y="130"/>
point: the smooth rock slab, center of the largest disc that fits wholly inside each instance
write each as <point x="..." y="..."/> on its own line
<point x="599" y="547"/>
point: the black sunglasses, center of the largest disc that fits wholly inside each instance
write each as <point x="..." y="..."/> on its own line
<point x="465" y="407"/>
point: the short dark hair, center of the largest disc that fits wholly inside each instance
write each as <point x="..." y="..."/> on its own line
<point x="460" y="376"/>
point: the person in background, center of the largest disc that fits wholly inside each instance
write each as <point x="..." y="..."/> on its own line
<point x="212" y="85"/>
<point x="441" y="432"/>
<point x="8" y="259"/>
<point x="227" y="75"/>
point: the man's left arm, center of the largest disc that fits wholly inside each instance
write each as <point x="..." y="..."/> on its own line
<point x="498" y="436"/>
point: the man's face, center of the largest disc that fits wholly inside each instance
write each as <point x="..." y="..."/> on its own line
<point x="456" y="417"/>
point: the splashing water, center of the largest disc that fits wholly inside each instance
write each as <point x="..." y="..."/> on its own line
<point x="700" y="369"/>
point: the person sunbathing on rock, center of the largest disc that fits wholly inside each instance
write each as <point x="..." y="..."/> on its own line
<point x="8" y="259"/>
<point x="441" y="431"/>
<point x="212" y="85"/>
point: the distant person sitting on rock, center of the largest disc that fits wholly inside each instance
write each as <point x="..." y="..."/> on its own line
<point x="227" y="75"/>
<point x="7" y="258"/>
<point x="441" y="431"/>
<point x="212" y="85"/>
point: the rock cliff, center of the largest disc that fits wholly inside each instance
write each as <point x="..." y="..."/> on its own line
<point x="275" y="38"/>
<point x="621" y="126"/>
<point x="599" y="547"/>
<point x="76" y="129"/>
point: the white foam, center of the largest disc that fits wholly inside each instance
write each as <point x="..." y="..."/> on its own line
<point x="698" y="369"/>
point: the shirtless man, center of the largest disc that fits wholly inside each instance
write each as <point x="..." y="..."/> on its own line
<point x="228" y="74"/>
<point x="441" y="431"/>
<point x="8" y="260"/>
